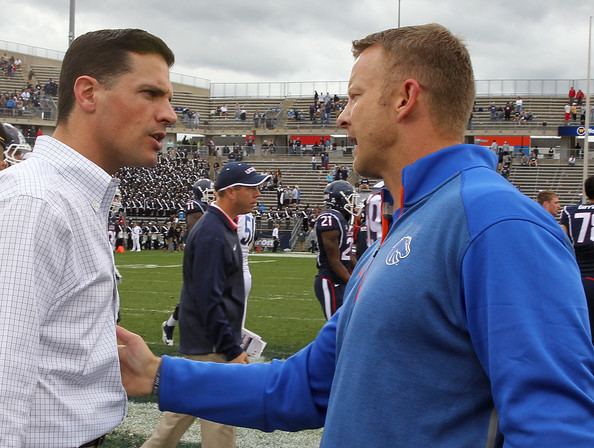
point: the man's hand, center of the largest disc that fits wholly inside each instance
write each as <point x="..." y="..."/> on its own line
<point x="138" y="365"/>
<point x="241" y="359"/>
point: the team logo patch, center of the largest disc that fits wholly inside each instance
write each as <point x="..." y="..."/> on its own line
<point x="399" y="251"/>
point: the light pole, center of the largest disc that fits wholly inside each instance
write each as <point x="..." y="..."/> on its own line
<point x="588" y="110"/>
<point x="398" y="13"/>
<point x="71" y="28"/>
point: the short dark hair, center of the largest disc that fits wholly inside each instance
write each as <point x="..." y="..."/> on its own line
<point x="104" y="55"/>
<point x="589" y="187"/>
<point x="438" y="60"/>
<point x="545" y="196"/>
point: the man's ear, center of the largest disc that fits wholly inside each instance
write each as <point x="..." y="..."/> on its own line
<point x="85" y="93"/>
<point x="406" y="98"/>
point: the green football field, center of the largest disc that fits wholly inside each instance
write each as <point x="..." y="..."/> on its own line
<point x="282" y="307"/>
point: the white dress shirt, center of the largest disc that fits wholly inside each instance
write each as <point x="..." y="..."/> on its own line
<point x="60" y="382"/>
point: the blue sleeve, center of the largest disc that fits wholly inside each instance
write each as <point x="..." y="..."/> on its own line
<point x="528" y="321"/>
<point x="207" y="289"/>
<point x="288" y="395"/>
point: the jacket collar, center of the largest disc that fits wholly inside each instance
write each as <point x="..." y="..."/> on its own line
<point x="231" y="224"/>
<point x="428" y="173"/>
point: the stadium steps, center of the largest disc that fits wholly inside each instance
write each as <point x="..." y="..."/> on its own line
<point x="16" y="82"/>
<point x="294" y="172"/>
<point x="546" y="109"/>
<point x="566" y="181"/>
<point x="43" y="73"/>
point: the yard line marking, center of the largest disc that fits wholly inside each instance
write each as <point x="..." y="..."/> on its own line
<point x="146" y="309"/>
<point x="279" y="318"/>
<point x="287" y="255"/>
<point x="148" y="266"/>
<point x="277" y="298"/>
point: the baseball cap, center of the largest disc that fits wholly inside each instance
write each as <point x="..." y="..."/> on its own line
<point x="238" y="174"/>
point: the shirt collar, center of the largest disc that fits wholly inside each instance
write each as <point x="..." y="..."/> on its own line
<point x="87" y="177"/>
<point x="426" y="174"/>
<point x="224" y="216"/>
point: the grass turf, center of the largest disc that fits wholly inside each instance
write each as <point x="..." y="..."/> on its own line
<point x="282" y="307"/>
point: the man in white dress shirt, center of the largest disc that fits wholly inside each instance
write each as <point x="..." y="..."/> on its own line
<point x="60" y="384"/>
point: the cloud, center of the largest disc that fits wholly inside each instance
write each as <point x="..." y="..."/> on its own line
<point x="275" y="40"/>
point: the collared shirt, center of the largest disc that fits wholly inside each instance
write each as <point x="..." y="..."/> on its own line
<point x="60" y="383"/>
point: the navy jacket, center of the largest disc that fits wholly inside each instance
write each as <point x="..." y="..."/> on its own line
<point x="212" y="298"/>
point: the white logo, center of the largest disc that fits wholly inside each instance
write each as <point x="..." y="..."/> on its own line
<point x="234" y="247"/>
<point x="399" y="251"/>
<point x="250" y="170"/>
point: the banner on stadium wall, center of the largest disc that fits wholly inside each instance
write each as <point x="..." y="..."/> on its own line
<point x="310" y="139"/>
<point x="574" y="131"/>
<point x="516" y="141"/>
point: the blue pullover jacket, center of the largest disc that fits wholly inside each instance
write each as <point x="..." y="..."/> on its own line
<point x="466" y="327"/>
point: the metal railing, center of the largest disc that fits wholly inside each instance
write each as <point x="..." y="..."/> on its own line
<point x="41" y="52"/>
<point x="484" y="87"/>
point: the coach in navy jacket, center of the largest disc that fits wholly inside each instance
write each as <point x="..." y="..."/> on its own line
<point x="213" y="298"/>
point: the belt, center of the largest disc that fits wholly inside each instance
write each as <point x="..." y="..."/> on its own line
<point x="94" y="443"/>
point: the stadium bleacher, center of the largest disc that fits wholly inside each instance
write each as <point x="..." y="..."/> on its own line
<point x="281" y="119"/>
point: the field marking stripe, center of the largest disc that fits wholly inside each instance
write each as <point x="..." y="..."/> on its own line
<point x="279" y="318"/>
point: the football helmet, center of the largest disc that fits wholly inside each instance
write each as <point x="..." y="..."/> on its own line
<point x="204" y="190"/>
<point x="13" y="143"/>
<point x="340" y="195"/>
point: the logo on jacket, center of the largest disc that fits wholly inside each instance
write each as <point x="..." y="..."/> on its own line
<point x="399" y="251"/>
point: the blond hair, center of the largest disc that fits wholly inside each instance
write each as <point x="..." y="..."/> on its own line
<point x="438" y="60"/>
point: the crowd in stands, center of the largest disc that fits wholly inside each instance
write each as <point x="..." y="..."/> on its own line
<point x="165" y="189"/>
<point x="320" y="111"/>
<point x="19" y="102"/>
<point x="30" y="97"/>
<point x="575" y="109"/>
<point x="510" y="111"/>
<point x="9" y="65"/>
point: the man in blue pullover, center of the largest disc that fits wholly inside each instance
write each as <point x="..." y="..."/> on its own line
<point x="443" y="340"/>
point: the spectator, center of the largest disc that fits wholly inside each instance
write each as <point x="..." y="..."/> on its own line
<point x="579" y="96"/>
<point x="492" y="111"/>
<point x="571" y="95"/>
<point x="519" y="104"/>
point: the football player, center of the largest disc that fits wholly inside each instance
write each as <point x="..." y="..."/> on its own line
<point x="246" y="229"/>
<point x="203" y="190"/>
<point x="13" y="145"/>
<point x="334" y="240"/>
<point x="373" y="212"/>
<point x="577" y="222"/>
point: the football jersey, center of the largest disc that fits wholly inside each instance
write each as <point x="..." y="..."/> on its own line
<point x="373" y="218"/>
<point x="246" y="229"/>
<point x="333" y="220"/>
<point x="579" y="221"/>
<point x="194" y="206"/>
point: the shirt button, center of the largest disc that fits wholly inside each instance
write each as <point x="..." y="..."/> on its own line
<point x="95" y="205"/>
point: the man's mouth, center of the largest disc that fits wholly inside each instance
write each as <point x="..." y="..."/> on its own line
<point x="158" y="136"/>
